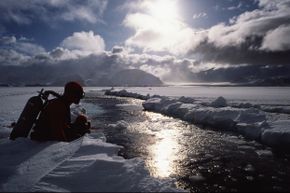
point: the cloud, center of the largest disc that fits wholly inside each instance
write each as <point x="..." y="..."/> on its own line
<point x="60" y="53"/>
<point x="249" y="41"/>
<point x="248" y="34"/>
<point x="152" y="35"/>
<point x="7" y="40"/>
<point x="277" y="39"/>
<point x="62" y="64"/>
<point x="259" y="37"/>
<point x="117" y="49"/>
<point x="27" y="11"/>
<point x="10" y="57"/>
<point x="158" y="27"/>
<point x="251" y="46"/>
<point x="29" y="48"/>
<point x="166" y="67"/>
<point x="84" y="43"/>
<point x="15" y="51"/>
<point x="25" y="52"/>
<point x="232" y="8"/>
<point x="199" y="15"/>
<point x="80" y="56"/>
<point x="90" y="12"/>
<point x="76" y="58"/>
<point x="255" y="74"/>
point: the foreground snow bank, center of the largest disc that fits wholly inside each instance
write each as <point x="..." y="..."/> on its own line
<point x="246" y="119"/>
<point x="87" y="164"/>
<point x="23" y="162"/>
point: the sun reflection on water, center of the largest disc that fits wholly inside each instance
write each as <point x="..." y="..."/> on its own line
<point x="164" y="152"/>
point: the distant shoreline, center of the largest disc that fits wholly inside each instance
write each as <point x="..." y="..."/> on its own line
<point x="229" y="85"/>
<point x="165" y="85"/>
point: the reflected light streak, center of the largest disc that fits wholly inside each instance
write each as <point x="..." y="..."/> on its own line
<point x="167" y="150"/>
<point x="164" y="152"/>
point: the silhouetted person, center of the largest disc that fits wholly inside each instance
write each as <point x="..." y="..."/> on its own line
<point x="54" y="122"/>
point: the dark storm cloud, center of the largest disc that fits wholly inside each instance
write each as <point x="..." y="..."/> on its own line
<point x="15" y="51"/>
<point x="117" y="49"/>
<point x="43" y="69"/>
<point x="80" y="56"/>
<point x="248" y="74"/>
<point x="6" y="40"/>
<point x="245" y="53"/>
<point x="254" y="46"/>
<point x="260" y="37"/>
<point x="27" y="11"/>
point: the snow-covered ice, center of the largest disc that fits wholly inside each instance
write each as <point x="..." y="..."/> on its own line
<point x="24" y="162"/>
<point x="278" y="134"/>
<point x="87" y="164"/>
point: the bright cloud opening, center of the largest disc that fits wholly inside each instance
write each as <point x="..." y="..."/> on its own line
<point x="159" y="28"/>
<point x="163" y="9"/>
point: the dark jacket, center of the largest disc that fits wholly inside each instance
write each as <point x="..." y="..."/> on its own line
<point x="54" y="122"/>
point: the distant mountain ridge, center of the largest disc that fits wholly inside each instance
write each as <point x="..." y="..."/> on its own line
<point x="127" y="77"/>
<point x="134" y="77"/>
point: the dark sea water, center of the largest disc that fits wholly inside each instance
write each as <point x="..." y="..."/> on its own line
<point x="201" y="159"/>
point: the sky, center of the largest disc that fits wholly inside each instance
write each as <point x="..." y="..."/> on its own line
<point x="175" y="40"/>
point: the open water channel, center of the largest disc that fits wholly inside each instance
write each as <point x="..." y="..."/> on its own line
<point x="200" y="159"/>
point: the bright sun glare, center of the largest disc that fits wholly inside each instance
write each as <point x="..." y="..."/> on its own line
<point x="161" y="27"/>
<point x="163" y="9"/>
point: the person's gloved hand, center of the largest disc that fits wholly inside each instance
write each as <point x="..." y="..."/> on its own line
<point x="82" y="124"/>
<point x="86" y="128"/>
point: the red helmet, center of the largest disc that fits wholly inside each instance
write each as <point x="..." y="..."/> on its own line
<point x="74" y="88"/>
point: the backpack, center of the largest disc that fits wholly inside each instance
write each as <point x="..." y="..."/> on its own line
<point x="30" y="113"/>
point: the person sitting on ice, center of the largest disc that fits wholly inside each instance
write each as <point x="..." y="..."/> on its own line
<point x="54" y="122"/>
